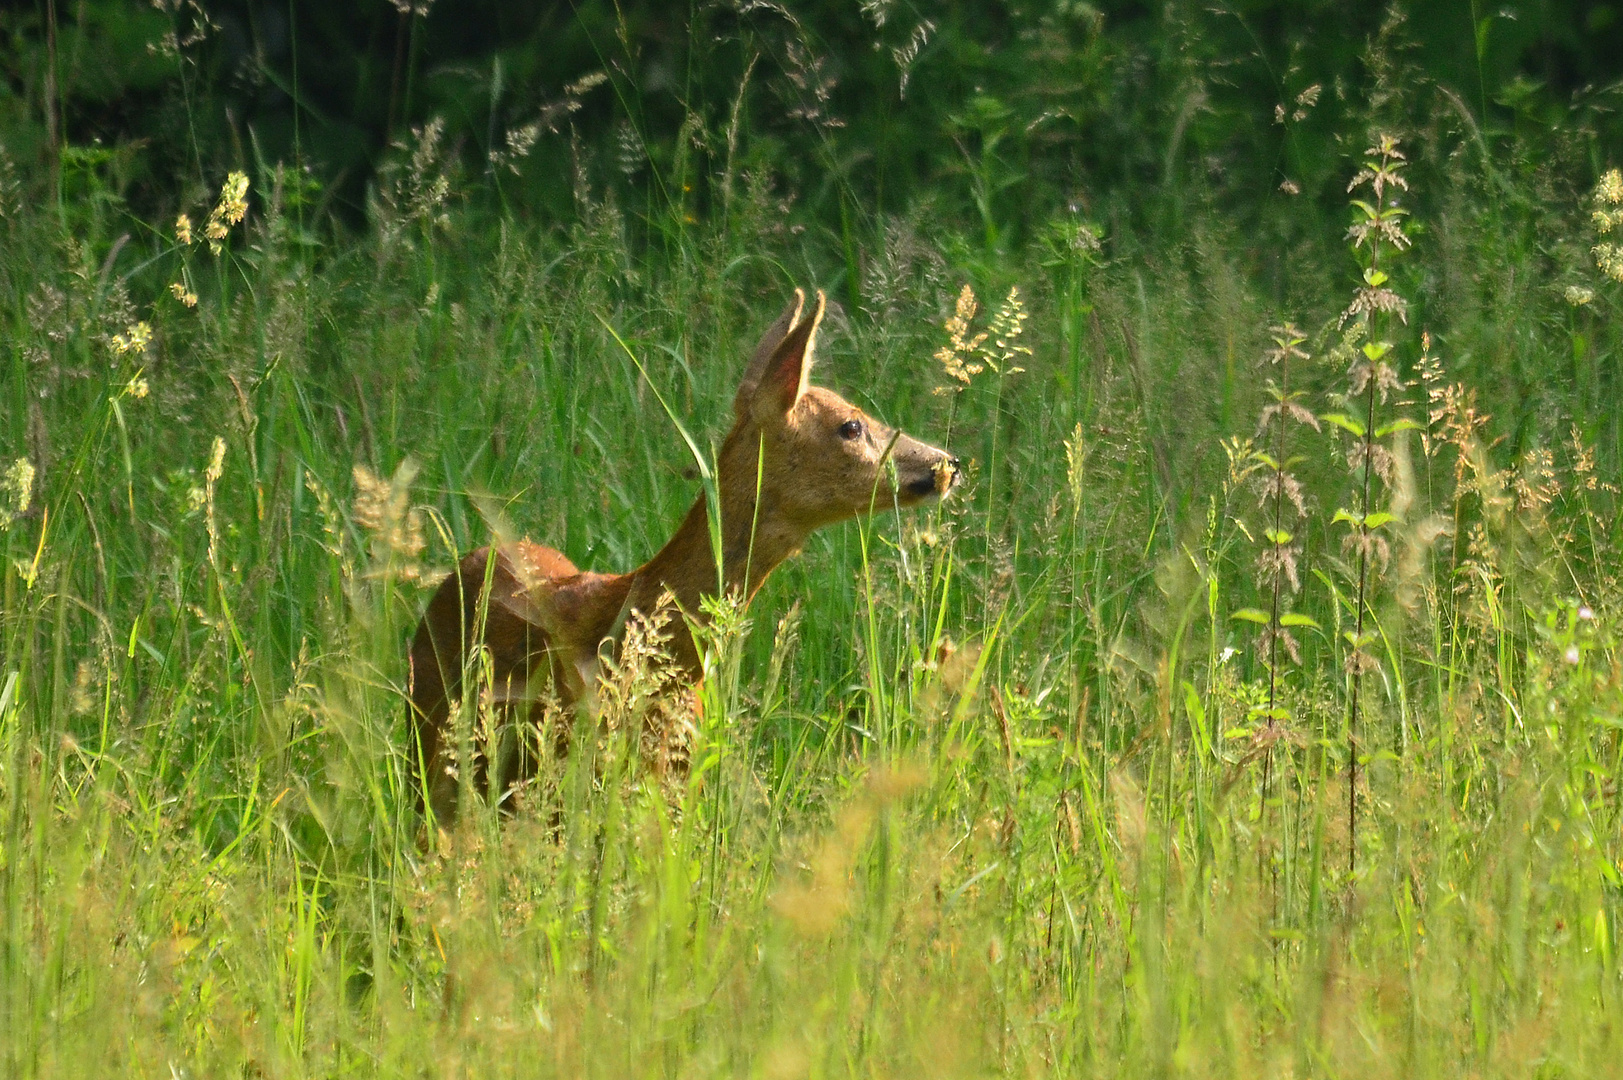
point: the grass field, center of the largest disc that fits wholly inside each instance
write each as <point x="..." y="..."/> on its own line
<point x="1256" y="709"/>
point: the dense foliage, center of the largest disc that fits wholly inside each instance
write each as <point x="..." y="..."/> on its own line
<point x="1254" y="709"/>
<point x="1011" y="114"/>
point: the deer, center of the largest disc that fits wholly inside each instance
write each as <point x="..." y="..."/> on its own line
<point x="798" y="458"/>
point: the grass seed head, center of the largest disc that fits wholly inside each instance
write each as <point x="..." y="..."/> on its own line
<point x="230" y="210"/>
<point x="216" y="466"/>
<point x="383" y="509"/>
<point x="1607" y="217"/>
<point x="17" y="486"/>
<point x="957" y="356"/>
<point x="1007" y="325"/>
<point x="136" y="338"/>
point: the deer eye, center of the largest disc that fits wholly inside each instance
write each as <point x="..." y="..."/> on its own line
<point x="851" y="429"/>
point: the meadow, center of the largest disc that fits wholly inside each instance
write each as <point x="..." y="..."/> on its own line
<point x="1255" y="708"/>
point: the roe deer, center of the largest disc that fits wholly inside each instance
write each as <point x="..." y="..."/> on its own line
<point x="811" y="457"/>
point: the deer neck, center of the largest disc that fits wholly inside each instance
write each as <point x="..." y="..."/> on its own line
<point x="686" y="565"/>
<point x="755" y="540"/>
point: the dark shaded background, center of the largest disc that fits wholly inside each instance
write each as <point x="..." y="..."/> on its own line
<point x="1034" y="106"/>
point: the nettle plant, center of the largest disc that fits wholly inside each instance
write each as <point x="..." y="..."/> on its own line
<point x="1266" y="464"/>
<point x="1378" y="236"/>
<point x="1281" y="505"/>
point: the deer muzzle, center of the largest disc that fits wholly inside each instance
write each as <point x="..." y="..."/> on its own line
<point x="923" y="472"/>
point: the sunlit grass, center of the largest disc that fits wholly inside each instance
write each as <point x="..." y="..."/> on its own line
<point x="998" y="787"/>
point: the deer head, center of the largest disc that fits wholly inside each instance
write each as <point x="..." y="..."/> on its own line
<point x="822" y="459"/>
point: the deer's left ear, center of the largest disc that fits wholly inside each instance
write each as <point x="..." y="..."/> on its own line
<point x="788" y="373"/>
<point x="764" y="349"/>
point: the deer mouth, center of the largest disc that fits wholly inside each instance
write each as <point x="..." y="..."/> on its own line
<point x="934" y="483"/>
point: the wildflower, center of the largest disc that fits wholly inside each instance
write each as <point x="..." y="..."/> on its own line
<point x="1586" y="613"/>
<point x="1572" y="655"/>
<point x="231" y="209"/>
<point x="183" y="229"/>
<point x="183" y="294"/>
<point x="137" y="387"/>
<point x="18" y="482"/>
<point x="135" y="339"/>
<point x="1579" y="295"/>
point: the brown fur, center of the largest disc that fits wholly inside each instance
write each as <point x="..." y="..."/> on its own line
<point x="545" y="619"/>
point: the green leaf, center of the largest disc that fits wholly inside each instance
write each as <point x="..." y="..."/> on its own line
<point x="1278" y="537"/>
<point x="1347" y="516"/>
<point x="1402" y="423"/>
<point x="1369" y="211"/>
<point x="1375" y="278"/>
<point x="1374" y="350"/>
<point x="1251" y="614"/>
<point x="1192" y="703"/>
<point x="1377" y="519"/>
<point x="1292" y="618"/>
<point x="1344" y="422"/>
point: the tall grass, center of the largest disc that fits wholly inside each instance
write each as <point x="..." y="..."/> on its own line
<point x="998" y="787"/>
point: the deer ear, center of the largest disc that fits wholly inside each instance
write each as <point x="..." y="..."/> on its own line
<point x="764" y="349"/>
<point x="788" y="372"/>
